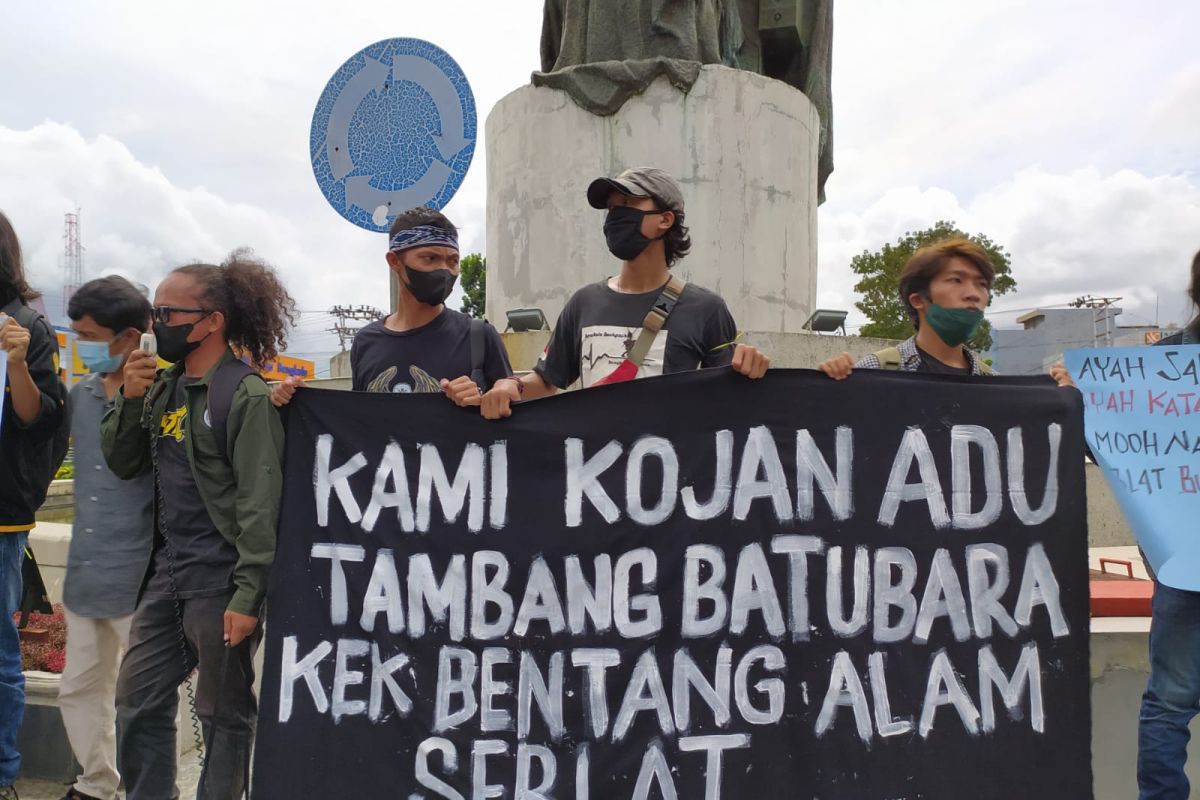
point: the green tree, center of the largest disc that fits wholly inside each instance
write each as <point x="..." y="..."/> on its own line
<point x="473" y="277"/>
<point x="880" y="280"/>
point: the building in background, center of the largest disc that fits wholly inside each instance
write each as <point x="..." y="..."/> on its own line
<point x="285" y="366"/>
<point x="71" y="369"/>
<point x="1046" y="333"/>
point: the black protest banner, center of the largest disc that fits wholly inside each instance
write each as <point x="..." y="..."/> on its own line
<point x="696" y="586"/>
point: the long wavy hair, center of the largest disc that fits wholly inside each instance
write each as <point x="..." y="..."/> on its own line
<point x="258" y="309"/>
<point x="12" y="272"/>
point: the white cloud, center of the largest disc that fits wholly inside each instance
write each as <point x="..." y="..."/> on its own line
<point x="963" y="95"/>
<point x="1121" y="234"/>
<point x="182" y="132"/>
<point x="1065" y="131"/>
<point x="135" y="220"/>
<point x="138" y="224"/>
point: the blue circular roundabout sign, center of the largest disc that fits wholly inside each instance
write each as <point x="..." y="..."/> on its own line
<point x="395" y="128"/>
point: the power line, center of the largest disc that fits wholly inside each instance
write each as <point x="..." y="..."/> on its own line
<point x="347" y="314"/>
<point x="989" y="312"/>
<point x="1093" y="302"/>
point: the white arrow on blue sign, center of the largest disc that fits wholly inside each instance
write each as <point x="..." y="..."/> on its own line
<point x="394" y="129"/>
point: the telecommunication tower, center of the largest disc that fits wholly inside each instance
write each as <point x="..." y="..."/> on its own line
<point x="72" y="257"/>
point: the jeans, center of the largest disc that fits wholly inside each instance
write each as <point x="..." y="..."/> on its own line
<point x="1172" y="695"/>
<point x="157" y="662"/>
<point x="12" y="679"/>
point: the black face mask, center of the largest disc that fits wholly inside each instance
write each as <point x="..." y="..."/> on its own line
<point x="173" y="344"/>
<point x="623" y="232"/>
<point x="431" y="288"/>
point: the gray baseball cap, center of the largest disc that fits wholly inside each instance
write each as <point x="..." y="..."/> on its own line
<point x="638" y="182"/>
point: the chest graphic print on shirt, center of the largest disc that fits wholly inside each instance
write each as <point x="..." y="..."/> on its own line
<point x="171" y="424"/>
<point x="605" y="350"/>
<point x="422" y="382"/>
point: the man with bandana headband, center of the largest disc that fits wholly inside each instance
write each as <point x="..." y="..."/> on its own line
<point x="422" y="346"/>
<point x="601" y="337"/>
<point x="945" y="287"/>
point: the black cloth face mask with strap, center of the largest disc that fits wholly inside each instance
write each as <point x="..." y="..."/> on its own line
<point x="173" y="344"/>
<point x="623" y="232"/>
<point x="431" y="288"/>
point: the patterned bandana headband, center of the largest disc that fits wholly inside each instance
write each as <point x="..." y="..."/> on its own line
<point x="422" y="236"/>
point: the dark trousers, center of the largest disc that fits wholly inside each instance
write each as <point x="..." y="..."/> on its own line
<point x="155" y="665"/>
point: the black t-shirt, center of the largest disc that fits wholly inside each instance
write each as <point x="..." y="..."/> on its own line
<point x="599" y="326"/>
<point x="200" y="558"/>
<point x="932" y="365"/>
<point x="383" y="360"/>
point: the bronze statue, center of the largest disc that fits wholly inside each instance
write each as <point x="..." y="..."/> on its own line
<point x="602" y="52"/>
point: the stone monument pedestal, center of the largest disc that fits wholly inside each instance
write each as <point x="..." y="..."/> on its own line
<point x="743" y="147"/>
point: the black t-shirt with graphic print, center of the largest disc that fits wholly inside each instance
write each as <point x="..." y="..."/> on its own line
<point x="599" y="326"/>
<point x="383" y="360"/>
<point x="200" y="560"/>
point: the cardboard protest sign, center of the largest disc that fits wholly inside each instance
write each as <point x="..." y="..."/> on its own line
<point x="696" y="586"/>
<point x="1142" y="424"/>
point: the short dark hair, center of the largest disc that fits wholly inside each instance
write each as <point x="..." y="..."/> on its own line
<point x="421" y="215"/>
<point x="929" y="261"/>
<point x="113" y="302"/>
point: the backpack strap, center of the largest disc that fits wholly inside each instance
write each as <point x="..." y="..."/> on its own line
<point x="656" y="319"/>
<point x="221" y="388"/>
<point x="478" y="352"/>
<point x="25" y="316"/>
<point x="889" y="358"/>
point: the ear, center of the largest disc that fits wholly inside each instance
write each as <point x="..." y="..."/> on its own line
<point x="666" y="221"/>
<point x="397" y="266"/>
<point x="917" y="301"/>
<point x="218" y="321"/>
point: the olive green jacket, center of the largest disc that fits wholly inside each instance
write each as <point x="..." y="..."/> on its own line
<point x="241" y="493"/>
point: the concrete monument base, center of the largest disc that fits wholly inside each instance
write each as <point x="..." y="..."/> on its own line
<point x="743" y="147"/>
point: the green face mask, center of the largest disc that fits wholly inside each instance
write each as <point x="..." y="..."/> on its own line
<point x="953" y="325"/>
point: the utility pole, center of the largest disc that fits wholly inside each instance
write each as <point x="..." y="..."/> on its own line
<point x="1102" y="317"/>
<point x="348" y="314"/>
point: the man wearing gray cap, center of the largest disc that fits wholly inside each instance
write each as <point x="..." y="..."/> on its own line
<point x="642" y="321"/>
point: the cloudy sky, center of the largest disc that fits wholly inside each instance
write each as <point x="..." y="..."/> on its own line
<point x="1066" y="130"/>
